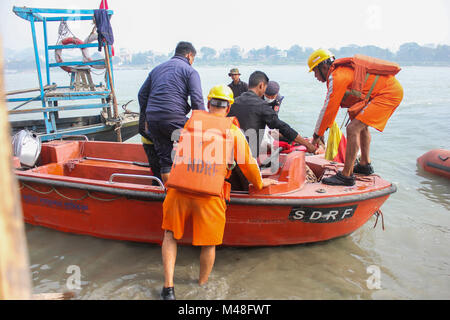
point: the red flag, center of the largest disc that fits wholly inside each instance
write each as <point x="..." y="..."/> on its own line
<point x="104" y="5"/>
<point x="340" y="157"/>
<point x="336" y="145"/>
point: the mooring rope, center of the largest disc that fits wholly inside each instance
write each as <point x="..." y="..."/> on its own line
<point x="379" y="213"/>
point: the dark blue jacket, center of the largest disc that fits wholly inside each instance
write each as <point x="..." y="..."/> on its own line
<point x="104" y="30"/>
<point x="165" y="92"/>
<point x="255" y="113"/>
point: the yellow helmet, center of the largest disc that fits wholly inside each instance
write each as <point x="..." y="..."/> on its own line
<point x="221" y="92"/>
<point x="317" y="57"/>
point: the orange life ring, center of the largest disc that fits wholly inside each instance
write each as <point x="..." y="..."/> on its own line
<point x="84" y="51"/>
<point x="91" y="38"/>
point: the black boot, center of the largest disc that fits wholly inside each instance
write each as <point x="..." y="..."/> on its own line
<point x="364" y="170"/>
<point x="339" y="180"/>
<point x="168" y="293"/>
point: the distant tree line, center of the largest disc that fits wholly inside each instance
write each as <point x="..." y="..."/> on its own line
<point x="408" y="54"/>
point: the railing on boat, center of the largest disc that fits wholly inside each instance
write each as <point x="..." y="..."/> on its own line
<point x="49" y="93"/>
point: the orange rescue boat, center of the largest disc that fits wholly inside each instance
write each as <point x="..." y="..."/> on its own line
<point x="436" y="161"/>
<point x="100" y="189"/>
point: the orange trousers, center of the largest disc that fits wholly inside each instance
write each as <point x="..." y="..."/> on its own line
<point x="208" y="216"/>
<point x="382" y="105"/>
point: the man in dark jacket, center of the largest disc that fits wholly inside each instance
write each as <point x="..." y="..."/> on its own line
<point x="237" y="85"/>
<point x="165" y="95"/>
<point x="254" y="114"/>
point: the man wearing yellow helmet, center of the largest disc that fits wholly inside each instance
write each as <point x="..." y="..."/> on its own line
<point x="197" y="187"/>
<point x="320" y="57"/>
<point x="368" y="87"/>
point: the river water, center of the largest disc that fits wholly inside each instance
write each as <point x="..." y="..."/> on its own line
<point x="410" y="259"/>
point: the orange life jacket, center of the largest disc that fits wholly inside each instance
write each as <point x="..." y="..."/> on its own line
<point x="203" y="155"/>
<point x="363" y="66"/>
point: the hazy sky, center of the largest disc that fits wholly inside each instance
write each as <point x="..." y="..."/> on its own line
<point x="159" y="24"/>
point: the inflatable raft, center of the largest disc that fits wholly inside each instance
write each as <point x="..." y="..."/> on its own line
<point x="436" y="161"/>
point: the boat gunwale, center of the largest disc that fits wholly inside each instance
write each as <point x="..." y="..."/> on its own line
<point x="159" y="195"/>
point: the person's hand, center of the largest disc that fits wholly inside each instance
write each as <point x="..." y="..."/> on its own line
<point x="322" y="142"/>
<point x="311" y="148"/>
<point x="317" y="141"/>
<point x="320" y="150"/>
<point x="268" y="182"/>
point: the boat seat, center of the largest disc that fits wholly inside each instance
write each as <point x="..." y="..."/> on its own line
<point x="269" y="172"/>
<point x="291" y="177"/>
<point x="240" y="183"/>
<point x="58" y="151"/>
<point x="81" y="79"/>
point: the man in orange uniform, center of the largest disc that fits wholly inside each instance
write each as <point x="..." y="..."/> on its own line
<point x="372" y="104"/>
<point x="197" y="187"/>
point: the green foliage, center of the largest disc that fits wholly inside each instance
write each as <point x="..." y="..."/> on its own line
<point x="408" y="54"/>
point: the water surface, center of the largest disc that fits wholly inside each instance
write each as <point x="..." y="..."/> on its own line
<point x="412" y="253"/>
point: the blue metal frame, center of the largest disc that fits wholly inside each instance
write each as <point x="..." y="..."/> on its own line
<point x="65" y="108"/>
<point x="48" y="104"/>
<point x="47" y="70"/>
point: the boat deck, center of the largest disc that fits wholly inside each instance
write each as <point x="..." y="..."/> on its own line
<point x="72" y="160"/>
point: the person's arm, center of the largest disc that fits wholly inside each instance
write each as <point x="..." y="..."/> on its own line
<point x="273" y="122"/>
<point x="195" y="91"/>
<point x="144" y="93"/>
<point x="304" y="142"/>
<point x="246" y="162"/>
<point x="340" y="79"/>
<point x="290" y="134"/>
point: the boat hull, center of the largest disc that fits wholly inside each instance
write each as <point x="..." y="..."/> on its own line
<point x="76" y="195"/>
<point x="90" y="126"/>
<point x="115" y="217"/>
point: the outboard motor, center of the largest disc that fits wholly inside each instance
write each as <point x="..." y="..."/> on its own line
<point x="27" y="147"/>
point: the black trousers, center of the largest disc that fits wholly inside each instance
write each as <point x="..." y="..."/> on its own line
<point x="153" y="161"/>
